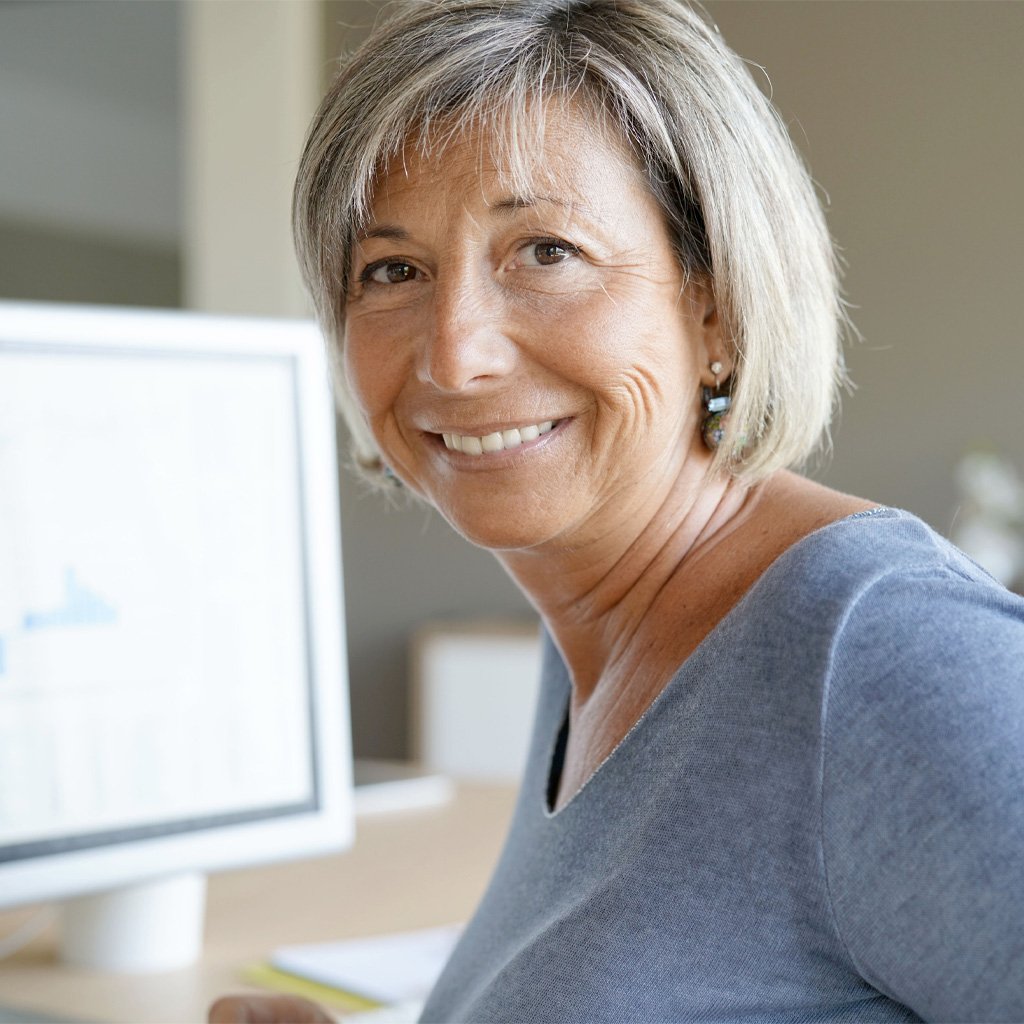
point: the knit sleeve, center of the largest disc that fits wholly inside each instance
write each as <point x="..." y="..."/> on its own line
<point x="923" y="794"/>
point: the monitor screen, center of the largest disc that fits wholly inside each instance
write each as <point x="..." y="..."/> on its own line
<point x="172" y="673"/>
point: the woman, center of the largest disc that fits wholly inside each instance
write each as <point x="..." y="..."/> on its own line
<point x="585" y="304"/>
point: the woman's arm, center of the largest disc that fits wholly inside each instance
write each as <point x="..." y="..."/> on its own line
<point x="923" y="795"/>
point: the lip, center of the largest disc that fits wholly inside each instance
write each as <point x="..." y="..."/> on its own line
<point x="488" y="460"/>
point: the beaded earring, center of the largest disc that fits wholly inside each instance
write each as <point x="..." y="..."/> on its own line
<point x="716" y="402"/>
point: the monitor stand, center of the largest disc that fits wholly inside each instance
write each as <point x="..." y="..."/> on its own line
<point x="152" y="926"/>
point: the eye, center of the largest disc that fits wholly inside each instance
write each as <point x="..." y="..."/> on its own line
<point x="388" y="272"/>
<point x="546" y="252"/>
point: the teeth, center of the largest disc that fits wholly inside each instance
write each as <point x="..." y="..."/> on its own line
<point x="498" y="441"/>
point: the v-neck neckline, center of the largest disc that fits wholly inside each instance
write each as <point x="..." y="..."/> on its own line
<point x="555" y="761"/>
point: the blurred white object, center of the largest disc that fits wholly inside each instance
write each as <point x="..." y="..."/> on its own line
<point x="990" y="527"/>
<point x="144" y="928"/>
<point x="389" y="969"/>
<point x="474" y="691"/>
<point x="994" y="548"/>
<point x="400" y="1013"/>
<point x="993" y="484"/>
<point x="390" y="787"/>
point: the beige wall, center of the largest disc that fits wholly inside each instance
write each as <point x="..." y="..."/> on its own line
<point x="250" y="82"/>
<point x="89" y="130"/>
<point x="47" y="264"/>
<point x="911" y="117"/>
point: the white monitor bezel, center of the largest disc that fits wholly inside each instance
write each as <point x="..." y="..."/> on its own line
<point x="330" y="827"/>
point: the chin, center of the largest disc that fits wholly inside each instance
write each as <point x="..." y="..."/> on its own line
<point x="496" y="532"/>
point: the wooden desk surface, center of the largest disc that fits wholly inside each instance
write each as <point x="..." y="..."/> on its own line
<point x="412" y="869"/>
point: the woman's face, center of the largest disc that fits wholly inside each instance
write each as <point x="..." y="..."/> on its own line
<point x="530" y="363"/>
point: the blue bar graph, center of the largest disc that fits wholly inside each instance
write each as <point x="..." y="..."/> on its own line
<point x="81" y="607"/>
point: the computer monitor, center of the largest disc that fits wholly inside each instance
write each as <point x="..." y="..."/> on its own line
<point x="173" y="691"/>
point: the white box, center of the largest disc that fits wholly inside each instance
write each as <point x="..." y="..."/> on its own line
<point x="474" y="690"/>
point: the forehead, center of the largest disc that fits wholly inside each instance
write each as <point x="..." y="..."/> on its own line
<point x="559" y="152"/>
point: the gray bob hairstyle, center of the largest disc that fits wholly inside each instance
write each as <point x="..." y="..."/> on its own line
<point x="738" y="202"/>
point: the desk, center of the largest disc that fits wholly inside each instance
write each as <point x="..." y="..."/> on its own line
<point x="412" y="869"/>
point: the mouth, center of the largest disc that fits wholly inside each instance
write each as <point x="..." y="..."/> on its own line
<point x="499" y="440"/>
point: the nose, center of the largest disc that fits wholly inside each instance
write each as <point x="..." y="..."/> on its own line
<point x="466" y="341"/>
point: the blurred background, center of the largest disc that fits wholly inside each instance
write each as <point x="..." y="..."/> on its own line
<point x="147" y="155"/>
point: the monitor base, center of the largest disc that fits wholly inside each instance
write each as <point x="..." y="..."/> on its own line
<point x="149" y="927"/>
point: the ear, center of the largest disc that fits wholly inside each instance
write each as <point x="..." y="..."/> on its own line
<point x="713" y="347"/>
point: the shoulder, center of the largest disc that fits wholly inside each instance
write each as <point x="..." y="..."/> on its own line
<point x="912" y="617"/>
<point x="893" y="616"/>
<point x="870" y="591"/>
<point x="910" y="598"/>
<point x="868" y="561"/>
<point x="927" y="644"/>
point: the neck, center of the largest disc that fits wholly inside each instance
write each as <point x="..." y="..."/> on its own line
<point x="595" y="595"/>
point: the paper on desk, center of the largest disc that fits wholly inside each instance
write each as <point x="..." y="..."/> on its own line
<point x="386" y="968"/>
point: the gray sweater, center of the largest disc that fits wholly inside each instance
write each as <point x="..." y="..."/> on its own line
<point x="821" y="817"/>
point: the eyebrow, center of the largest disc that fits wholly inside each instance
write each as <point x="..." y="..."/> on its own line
<point x="523" y="202"/>
<point x="509" y="204"/>
<point x="396" y="234"/>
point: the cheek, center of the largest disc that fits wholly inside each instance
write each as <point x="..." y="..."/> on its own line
<point x="606" y="341"/>
<point x="374" y="370"/>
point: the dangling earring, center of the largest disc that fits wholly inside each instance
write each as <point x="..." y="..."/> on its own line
<point x="716" y="404"/>
<point x="391" y="476"/>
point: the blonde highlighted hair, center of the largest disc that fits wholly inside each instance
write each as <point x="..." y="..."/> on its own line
<point x="739" y="204"/>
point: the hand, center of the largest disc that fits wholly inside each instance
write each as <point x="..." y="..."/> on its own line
<point x="267" y="1010"/>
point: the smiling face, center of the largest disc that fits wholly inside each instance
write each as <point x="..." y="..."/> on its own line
<point x="530" y="363"/>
